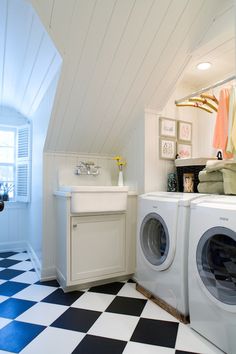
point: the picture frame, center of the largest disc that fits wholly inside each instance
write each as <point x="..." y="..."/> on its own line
<point x="167" y="127"/>
<point x="184" y="131"/>
<point x="167" y="149"/>
<point x="184" y="150"/>
<point x="188" y="182"/>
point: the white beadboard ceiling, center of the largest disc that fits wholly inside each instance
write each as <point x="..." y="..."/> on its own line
<point x="28" y="57"/>
<point x="119" y="57"/>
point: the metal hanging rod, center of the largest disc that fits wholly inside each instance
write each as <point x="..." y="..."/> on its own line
<point x="219" y="83"/>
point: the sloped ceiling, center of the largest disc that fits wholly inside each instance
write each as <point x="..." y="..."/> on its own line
<point x="118" y="58"/>
<point x="28" y="57"/>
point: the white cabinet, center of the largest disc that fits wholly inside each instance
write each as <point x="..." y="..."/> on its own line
<point x="94" y="247"/>
<point x="97" y="246"/>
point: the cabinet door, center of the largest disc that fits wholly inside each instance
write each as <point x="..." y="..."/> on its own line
<point x="97" y="246"/>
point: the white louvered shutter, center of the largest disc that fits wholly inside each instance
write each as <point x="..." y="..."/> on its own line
<point x="22" y="187"/>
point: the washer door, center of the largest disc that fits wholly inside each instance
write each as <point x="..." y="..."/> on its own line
<point x="155" y="241"/>
<point x="216" y="263"/>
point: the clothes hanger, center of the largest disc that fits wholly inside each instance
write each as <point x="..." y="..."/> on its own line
<point x="210" y="97"/>
<point x="193" y="104"/>
<point x="203" y="101"/>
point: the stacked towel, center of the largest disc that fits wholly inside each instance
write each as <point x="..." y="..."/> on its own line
<point x="211" y="187"/>
<point x="219" y="177"/>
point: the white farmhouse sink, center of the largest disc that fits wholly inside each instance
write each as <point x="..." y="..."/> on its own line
<point x="87" y="199"/>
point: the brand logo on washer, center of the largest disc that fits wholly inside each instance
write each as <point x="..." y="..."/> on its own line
<point x="223" y="219"/>
<point x="154" y="206"/>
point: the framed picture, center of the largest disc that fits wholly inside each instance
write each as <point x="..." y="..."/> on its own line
<point x="167" y="127"/>
<point x="184" y="150"/>
<point x="167" y="149"/>
<point x="184" y="131"/>
<point x="188" y="182"/>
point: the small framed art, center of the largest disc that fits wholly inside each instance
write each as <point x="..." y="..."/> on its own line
<point x="188" y="182"/>
<point x="184" y="150"/>
<point x="184" y="131"/>
<point x="167" y="149"/>
<point x="168" y="127"/>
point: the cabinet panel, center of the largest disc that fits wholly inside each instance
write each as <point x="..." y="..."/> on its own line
<point x="97" y="246"/>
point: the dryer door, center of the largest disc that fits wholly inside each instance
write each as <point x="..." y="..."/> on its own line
<point x="155" y="241"/>
<point x="216" y="264"/>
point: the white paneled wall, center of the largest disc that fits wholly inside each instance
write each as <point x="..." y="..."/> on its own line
<point x="133" y="153"/>
<point x="53" y="163"/>
<point x="118" y="57"/>
<point x="39" y="131"/>
<point x="14" y="226"/>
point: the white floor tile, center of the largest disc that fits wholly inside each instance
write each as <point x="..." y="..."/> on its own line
<point x="94" y="301"/>
<point x="2" y="281"/>
<point x="3" y="298"/>
<point x="115" y="326"/>
<point x="34" y="292"/>
<point x="54" y="340"/>
<point x="5" y="352"/>
<point x="22" y="266"/>
<point x="1" y="268"/>
<point x="155" y="312"/>
<point x="27" y="278"/>
<point x="42" y="313"/>
<point x="139" y="348"/>
<point x="129" y="290"/>
<point x="189" y="340"/>
<point x="20" y="256"/>
<point x="4" y="322"/>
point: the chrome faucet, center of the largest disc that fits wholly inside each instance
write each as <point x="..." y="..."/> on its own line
<point x="87" y="168"/>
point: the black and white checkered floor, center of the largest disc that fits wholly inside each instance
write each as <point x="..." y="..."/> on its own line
<point x="39" y="318"/>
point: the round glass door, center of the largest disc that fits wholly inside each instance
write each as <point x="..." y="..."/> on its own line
<point x="216" y="263"/>
<point x="154" y="239"/>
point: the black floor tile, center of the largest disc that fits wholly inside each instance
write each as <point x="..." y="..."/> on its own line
<point x="7" y="254"/>
<point x="99" y="345"/>
<point x="127" y="306"/>
<point x="184" y="352"/>
<point x="16" y="335"/>
<point x="8" y="274"/>
<point x="61" y="298"/>
<point x="155" y="332"/>
<point x="131" y="281"/>
<point x="10" y="288"/>
<point x="49" y="283"/>
<point x="77" y="319"/>
<point x="111" y="288"/>
<point x="12" y="308"/>
<point x="8" y="262"/>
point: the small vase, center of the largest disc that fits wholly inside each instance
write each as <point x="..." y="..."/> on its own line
<point x="120" y="179"/>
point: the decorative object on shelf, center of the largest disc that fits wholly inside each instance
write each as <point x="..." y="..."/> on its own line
<point x="5" y="190"/>
<point x="172" y="182"/>
<point x="120" y="163"/>
<point x="184" y="150"/>
<point x="167" y="127"/>
<point x="167" y="149"/>
<point x="184" y="131"/>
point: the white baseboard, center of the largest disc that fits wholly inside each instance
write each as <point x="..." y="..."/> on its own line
<point x="48" y="274"/>
<point x="15" y="246"/>
<point x="34" y="259"/>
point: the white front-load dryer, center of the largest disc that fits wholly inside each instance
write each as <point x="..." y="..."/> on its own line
<point x="212" y="270"/>
<point x="162" y="246"/>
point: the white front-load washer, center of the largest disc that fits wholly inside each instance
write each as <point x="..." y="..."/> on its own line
<point x="162" y="246"/>
<point x="212" y="270"/>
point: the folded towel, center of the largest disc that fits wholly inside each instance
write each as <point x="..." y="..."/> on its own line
<point x="211" y="187"/>
<point x="229" y="178"/>
<point x="216" y="166"/>
<point x="214" y="176"/>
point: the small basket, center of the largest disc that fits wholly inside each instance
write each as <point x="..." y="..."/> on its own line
<point x="190" y="166"/>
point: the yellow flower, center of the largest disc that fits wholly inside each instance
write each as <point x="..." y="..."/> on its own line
<point x="120" y="161"/>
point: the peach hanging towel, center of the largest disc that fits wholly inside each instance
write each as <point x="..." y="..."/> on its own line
<point x="220" y="138"/>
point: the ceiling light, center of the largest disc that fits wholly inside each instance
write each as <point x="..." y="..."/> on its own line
<point x="204" y="66"/>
